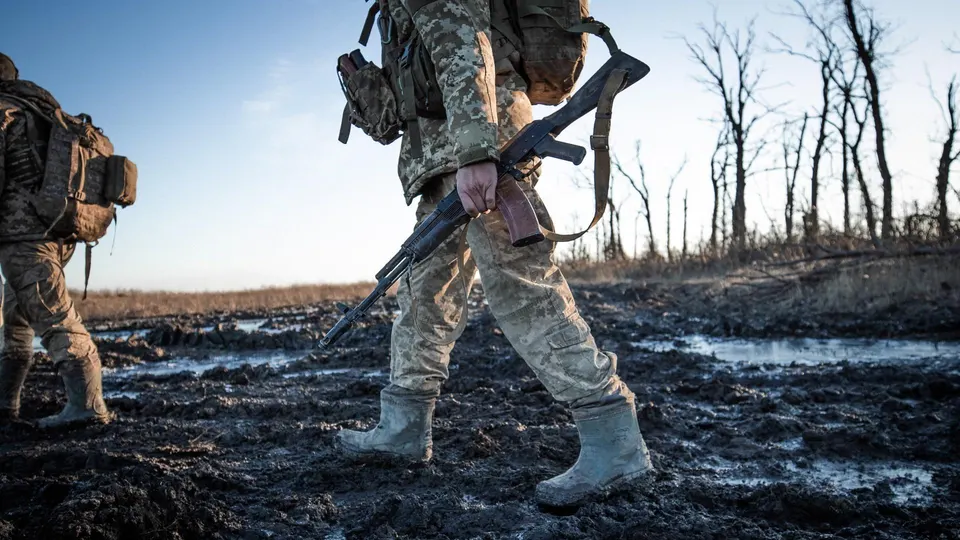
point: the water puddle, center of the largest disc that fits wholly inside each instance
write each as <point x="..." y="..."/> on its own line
<point x="807" y="351"/>
<point x="118" y="394"/>
<point x="181" y="364"/>
<point x="244" y="325"/>
<point x="908" y="483"/>
<point x="277" y="359"/>
<point x="336" y="371"/>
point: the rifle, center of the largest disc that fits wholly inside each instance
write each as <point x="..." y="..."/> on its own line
<point x="535" y="140"/>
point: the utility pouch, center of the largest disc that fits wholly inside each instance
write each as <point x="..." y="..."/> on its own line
<point x="371" y="105"/>
<point x="121" y="183"/>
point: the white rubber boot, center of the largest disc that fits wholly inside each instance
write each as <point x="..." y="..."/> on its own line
<point x="404" y="430"/>
<point x="612" y="452"/>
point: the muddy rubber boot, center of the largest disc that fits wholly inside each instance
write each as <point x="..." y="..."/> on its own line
<point x="82" y="383"/>
<point x="13" y="372"/>
<point x="612" y="453"/>
<point x="403" y="433"/>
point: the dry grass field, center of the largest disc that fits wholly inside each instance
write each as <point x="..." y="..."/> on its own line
<point x="127" y="304"/>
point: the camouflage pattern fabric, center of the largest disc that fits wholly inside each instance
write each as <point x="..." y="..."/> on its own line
<point x="526" y="292"/>
<point x="457" y="34"/>
<point x="35" y="299"/>
<point x="18" y="219"/>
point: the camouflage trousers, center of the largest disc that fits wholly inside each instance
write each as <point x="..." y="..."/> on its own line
<point x="527" y="294"/>
<point x="35" y="299"/>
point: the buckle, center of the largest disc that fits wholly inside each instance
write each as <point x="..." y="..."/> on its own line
<point x="600" y="142"/>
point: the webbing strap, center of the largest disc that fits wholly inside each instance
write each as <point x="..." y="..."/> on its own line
<point x="589" y="24"/>
<point x="87" y="264"/>
<point x="600" y="143"/>
<point x="462" y="253"/>
<point x="409" y="95"/>
<point x="345" y="125"/>
<point x="368" y="24"/>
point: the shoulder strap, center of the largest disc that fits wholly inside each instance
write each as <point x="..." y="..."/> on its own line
<point x="33" y="134"/>
<point x="25" y="103"/>
<point x="600" y="143"/>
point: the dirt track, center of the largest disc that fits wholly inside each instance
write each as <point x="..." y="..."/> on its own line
<point x="843" y="450"/>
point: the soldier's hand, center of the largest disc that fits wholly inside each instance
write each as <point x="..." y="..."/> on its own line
<point x="477" y="186"/>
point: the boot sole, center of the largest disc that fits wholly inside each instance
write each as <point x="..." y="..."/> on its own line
<point x="76" y="423"/>
<point x="598" y="495"/>
<point x="378" y="456"/>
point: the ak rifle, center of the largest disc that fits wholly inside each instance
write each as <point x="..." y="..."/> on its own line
<point x="536" y="140"/>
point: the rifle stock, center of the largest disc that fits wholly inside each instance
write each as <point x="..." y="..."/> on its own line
<point x="586" y="98"/>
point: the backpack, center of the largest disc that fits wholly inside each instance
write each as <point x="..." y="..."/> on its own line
<point x="546" y="40"/>
<point x="82" y="179"/>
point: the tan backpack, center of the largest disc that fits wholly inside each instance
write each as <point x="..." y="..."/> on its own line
<point x="550" y="39"/>
<point x="546" y="40"/>
<point x="83" y="180"/>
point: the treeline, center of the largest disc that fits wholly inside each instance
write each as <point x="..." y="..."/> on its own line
<point x="852" y="48"/>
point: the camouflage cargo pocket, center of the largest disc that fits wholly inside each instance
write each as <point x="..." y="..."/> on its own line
<point x="42" y="293"/>
<point x="373" y="107"/>
<point x="575" y="360"/>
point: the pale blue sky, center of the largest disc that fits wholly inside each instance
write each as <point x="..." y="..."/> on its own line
<point x="231" y="111"/>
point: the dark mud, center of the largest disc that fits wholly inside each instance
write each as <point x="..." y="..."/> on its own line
<point x="207" y="447"/>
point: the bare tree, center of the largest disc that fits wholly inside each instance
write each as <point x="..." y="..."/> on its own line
<point x="636" y="235"/>
<point x="644" y="192"/>
<point x="823" y="51"/>
<point x="947" y="155"/>
<point x="845" y="82"/>
<point x="673" y="180"/>
<point x="867" y="34"/>
<point x="860" y="120"/>
<point x="844" y="114"/>
<point x="738" y="94"/>
<point x="683" y="253"/>
<point x="724" y="218"/>
<point x="718" y="178"/>
<point x="791" y="171"/>
<point x="613" y="242"/>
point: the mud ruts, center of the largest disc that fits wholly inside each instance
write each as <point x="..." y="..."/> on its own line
<point x="226" y="336"/>
<point x="846" y="449"/>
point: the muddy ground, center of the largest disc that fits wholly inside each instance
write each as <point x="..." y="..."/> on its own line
<point x="206" y="446"/>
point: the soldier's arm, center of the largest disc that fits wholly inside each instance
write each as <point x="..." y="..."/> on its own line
<point x="457" y="34"/>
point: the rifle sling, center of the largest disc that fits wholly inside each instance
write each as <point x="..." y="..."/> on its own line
<point x="600" y="143"/>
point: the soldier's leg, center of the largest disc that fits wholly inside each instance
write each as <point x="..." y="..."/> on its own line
<point x="35" y="273"/>
<point x="16" y="357"/>
<point x="535" y="309"/>
<point x="420" y="344"/>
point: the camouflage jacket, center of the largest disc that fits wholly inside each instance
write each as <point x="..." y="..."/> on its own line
<point x="21" y="168"/>
<point x="485" y="102"/>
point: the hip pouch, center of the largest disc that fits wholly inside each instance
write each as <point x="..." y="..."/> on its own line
<point x="371" y="105"/>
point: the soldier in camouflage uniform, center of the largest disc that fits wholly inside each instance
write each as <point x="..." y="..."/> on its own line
<point x="35" y="297"/>
<point x="486" y="105"/>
